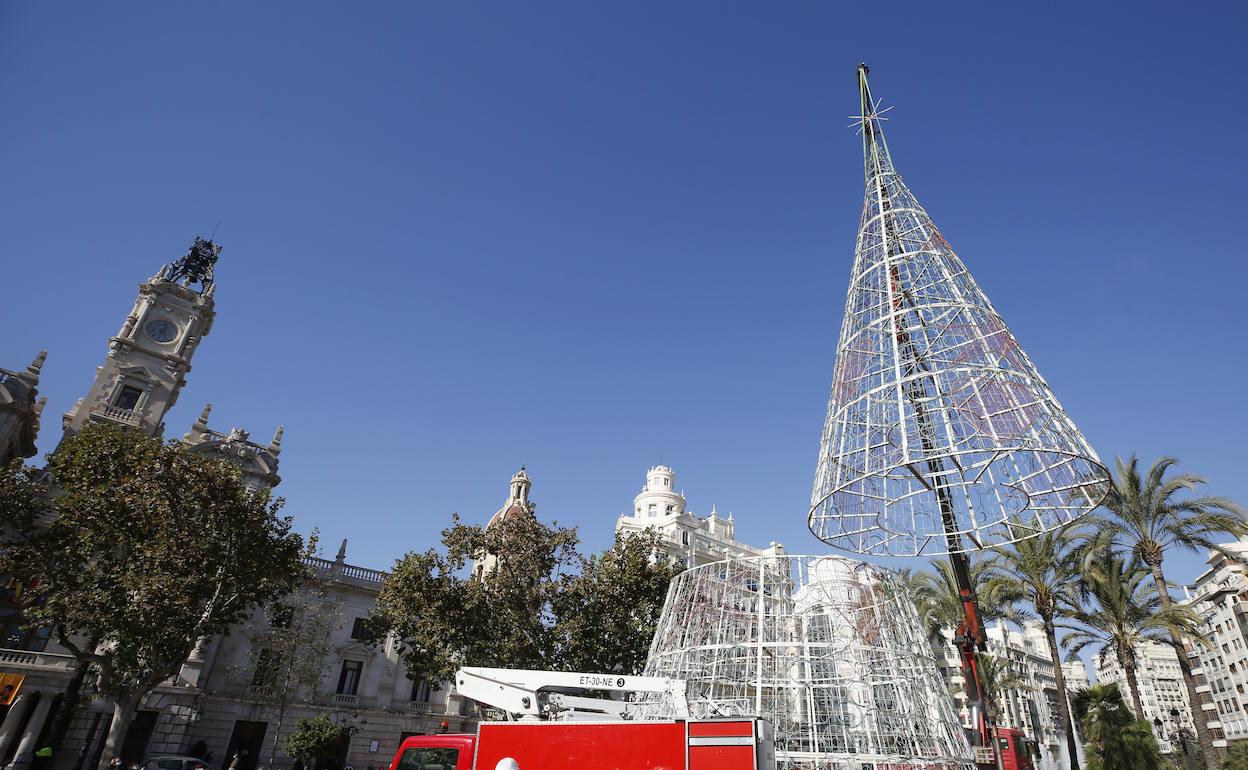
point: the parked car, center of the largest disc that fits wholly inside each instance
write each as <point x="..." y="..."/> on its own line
<point x="174" y="763"/>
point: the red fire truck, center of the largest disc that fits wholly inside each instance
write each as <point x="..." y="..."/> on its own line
<point x="567" y="730"/>
<point x="552" y="724"/>
<point x="680" y="744"/>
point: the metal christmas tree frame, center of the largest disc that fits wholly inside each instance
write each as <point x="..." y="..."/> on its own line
<point x="941" y="436"/>
<point x="829" y="650"/>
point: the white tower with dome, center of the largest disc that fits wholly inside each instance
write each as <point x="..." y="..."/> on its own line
<point x="686" y="537"/>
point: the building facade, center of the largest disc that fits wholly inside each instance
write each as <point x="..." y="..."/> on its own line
<point x="1162" y="690"/>
<point x="1076" y="674"/>
<point x="685" y="536"/>
<point x="1219" y="596"/>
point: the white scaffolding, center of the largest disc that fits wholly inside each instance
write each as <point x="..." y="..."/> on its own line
<point x="941" y="436"/>
<point x="829" y="650"/>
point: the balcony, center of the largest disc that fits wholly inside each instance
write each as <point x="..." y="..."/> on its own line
<point x="342" y="699"/>
<point x="424" y="707"/>
<point x="118" y="414"/>
<point x="43" y="661"/>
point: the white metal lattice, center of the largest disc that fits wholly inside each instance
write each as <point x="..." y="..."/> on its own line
<point x="941" y="436"/>
<point x="829" y="650"/>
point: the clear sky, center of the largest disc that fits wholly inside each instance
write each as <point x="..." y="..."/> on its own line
<point x="588" y="237"/>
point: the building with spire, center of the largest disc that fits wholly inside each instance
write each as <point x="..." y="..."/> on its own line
<point x="206" y="708"/>
<point x="685" y="536"/>
<point x="517" y="504"/>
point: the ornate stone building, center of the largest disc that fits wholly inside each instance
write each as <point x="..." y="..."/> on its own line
<point x="686" y="537"/>
<point x="210" y="706"/>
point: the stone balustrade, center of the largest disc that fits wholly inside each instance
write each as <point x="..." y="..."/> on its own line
<point x="329" y="568"/>
<point x="127" y="416"/>
<point x="46" y="661"/>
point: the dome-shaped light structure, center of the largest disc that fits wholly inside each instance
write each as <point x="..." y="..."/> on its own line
<point x="941" y="436"/>
<point x="829" y="650"/>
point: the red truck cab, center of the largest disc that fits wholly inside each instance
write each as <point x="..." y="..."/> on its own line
<point x="711" y="744"/>
<point x="448" y="751"/>
<point x="1014" y="747"/>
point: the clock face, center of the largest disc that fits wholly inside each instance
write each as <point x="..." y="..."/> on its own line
<point x="161" y="330"/>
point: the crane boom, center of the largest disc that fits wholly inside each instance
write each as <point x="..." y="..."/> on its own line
<point x="526" y="695"/>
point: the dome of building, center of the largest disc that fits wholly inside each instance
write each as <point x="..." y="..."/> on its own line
<point x="517" y="499"/>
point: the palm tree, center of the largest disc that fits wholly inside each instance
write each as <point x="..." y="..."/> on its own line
<point x="939" y="603"/>
<point x="999" y="678"/>
<point x="1151" y="516"/>
<point x="1237" y="757"/>
<point x="1045" y="570"/>
<point x="1126" y="611"/>
<point x="916" y="585"/>
<point x="1116" y="740"/>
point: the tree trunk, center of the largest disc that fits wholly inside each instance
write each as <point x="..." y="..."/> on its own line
<point x="1072" y="743"/>
<point x="123" y="715"/>
<point x="1213" y="759"/>
<point x="1134" y="686"/>
<point x="69" y="705"/>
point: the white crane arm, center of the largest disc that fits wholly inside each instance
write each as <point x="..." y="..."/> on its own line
<point x="521" y="693"/>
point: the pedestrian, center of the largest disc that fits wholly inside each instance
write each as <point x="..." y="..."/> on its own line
<point x="114" y="763"/>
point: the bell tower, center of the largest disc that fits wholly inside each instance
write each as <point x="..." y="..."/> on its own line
<point x="150" y="355"/>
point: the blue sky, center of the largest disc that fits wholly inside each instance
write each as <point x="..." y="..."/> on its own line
<point x="459" y="237"/>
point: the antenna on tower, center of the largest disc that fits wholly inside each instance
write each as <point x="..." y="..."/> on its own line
<point x="214" y="230"/>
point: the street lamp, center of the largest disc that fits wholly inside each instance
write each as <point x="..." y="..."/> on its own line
<point x="1183" y="735"/>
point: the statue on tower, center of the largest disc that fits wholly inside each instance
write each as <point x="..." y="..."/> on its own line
<point x="196" y="266"/>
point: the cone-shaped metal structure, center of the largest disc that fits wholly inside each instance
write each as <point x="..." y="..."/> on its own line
<point x="940" y="435"/>
<point x="829" y="650"/>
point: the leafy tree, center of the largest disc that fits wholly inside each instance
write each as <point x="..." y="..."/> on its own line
<point x="1044" y="571"/>
<point x="24" y="502"/>
<point x="150" y="548"/>
<point x="1152" y="514"/>
<point x="1125" y="611"/>
<point x="23" y="498"/>
<point x="315" y="740"/>
<point x="290" y="649"/>
<point x="443" y="617"/>
<point x="1116" y="740"/>
<point x="606" y="614"/>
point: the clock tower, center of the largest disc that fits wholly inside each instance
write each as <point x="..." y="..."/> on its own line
<point x="149" y="357"/>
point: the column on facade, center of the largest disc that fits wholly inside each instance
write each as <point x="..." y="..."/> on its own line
<point x="11" y="728"/>
<point x="371" y="686"/>
<point x="401" y="687"/>
<point x="26" y="749"/>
